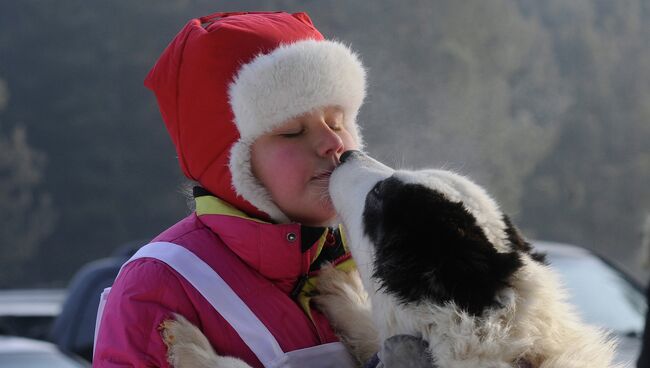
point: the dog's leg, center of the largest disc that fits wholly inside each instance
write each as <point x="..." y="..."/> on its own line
<point x="187" y="347"/>
<point x="345" y="303"/>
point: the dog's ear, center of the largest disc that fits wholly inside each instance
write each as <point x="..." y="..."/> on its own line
<point x="518" y="242"/>
<point x="433" y="249"/>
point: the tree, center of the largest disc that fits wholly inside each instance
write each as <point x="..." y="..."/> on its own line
<point x="469" y="85"/>
<point x="26" y="217"/>
<point x="592" y="189"/>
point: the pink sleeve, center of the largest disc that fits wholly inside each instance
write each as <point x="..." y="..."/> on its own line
<point x="146" y="293"/>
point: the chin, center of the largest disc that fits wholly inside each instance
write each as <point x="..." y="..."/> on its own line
<point x="325" y="220"/>
<point x="322" y="213"/>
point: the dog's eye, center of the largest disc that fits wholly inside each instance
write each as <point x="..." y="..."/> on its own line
<point x="376" y="190"/>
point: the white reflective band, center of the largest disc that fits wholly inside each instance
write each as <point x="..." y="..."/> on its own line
<point x="217" y="292"/>
<point x="100" y="312"/>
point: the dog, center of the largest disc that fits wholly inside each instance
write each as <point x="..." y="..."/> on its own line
<point x="437" y="260"/>
<point x="440" y="261"/>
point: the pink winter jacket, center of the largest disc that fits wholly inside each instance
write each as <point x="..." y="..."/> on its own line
<point x="261" y="262"/>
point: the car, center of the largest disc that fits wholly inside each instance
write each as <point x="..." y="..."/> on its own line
<point x="22" y="352"/>
<point x="29" y="312"/>
<point x="603" y="294"/>
<point x="65" y="317"/>
<point x="74" y="328"/>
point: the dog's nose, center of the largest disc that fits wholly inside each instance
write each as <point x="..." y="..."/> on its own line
<point x="347" y="155"/>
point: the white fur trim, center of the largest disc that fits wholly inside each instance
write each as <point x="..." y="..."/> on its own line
<point x="248" y="186"/>
<point x="294" y="79"/>
<point x="291" y="80"/>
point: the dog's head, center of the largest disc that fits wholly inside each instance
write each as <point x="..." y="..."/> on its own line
<point x="426" y="236"/>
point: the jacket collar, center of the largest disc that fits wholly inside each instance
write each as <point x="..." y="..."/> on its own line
<point x="282" y="253"/>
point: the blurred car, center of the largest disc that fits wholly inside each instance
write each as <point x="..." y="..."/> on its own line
<point x="19" y="352"/>
<point x="604" y="295"/>
<point x="65" y="317"/>
<point x="74" y="328"/>
<point x="29" y="312"/>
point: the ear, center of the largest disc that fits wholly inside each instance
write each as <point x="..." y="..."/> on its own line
<point x="520" y="244"/>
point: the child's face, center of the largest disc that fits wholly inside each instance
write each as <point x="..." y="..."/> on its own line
<point x="295" y="160"/>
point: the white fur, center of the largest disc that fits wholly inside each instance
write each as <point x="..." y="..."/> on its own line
<point x="534" y="323"/>
<point x="289" y="81"/>
<point x="347" y="307"/>
<point x="248" y="186"/>
<point x="294" y="79"/>
<point x="187" y="347"/>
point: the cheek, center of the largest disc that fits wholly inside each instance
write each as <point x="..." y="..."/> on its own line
<point x="280" y="167"/>
<point x="287" y="158"/>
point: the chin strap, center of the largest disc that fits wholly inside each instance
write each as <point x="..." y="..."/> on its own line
<point x="331" y="248"/>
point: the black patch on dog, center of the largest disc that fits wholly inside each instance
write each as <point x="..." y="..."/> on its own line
<point x="429" y="248"/>
<point x="518" y="242"/>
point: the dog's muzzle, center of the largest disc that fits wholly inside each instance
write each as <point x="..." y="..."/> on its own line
<point x="347" y="154"/>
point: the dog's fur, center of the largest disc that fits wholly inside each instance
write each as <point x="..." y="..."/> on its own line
<point x="187" y="347"/>
<point x="436" y="259"/>
<point x="441" y="262"/>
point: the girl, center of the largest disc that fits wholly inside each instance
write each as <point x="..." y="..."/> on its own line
<point x="260" y="107"/>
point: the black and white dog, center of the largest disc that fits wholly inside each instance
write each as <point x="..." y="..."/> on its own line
<point x="436" y="260"/>
<point x="441" y="262"/>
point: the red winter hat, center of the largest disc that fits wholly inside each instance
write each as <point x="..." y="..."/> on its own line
<point x="228" y="78"/>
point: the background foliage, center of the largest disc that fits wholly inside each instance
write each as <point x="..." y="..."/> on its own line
<point x="547" y="103"/>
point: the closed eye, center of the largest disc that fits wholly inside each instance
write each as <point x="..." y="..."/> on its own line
<point x="293" y="134"/>
<point x="336" y="128"/>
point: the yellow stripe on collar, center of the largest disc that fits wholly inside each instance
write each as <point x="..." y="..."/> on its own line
<point x="310" y="286"/>
<point x="344" y="238"/>
<point x="309" y="289"/>
<point x="211" y="205"/>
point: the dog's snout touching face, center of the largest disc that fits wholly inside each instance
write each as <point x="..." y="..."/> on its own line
<point x="351" y="181"/>
<point x="348" y="154"/>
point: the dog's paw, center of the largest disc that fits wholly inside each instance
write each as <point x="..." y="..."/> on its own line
<point x="344" y="301"/>
<point x="336" y="283"/>
<point x="341" y="296"/>
<point x="187" y="347"/>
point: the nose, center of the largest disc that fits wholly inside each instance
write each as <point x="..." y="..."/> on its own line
<point x="348" y="154"/>
<point x="330" y="143"/>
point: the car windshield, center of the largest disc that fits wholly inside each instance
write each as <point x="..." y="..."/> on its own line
<point x="37" y="360"/>
<point x="601" y="294"/>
